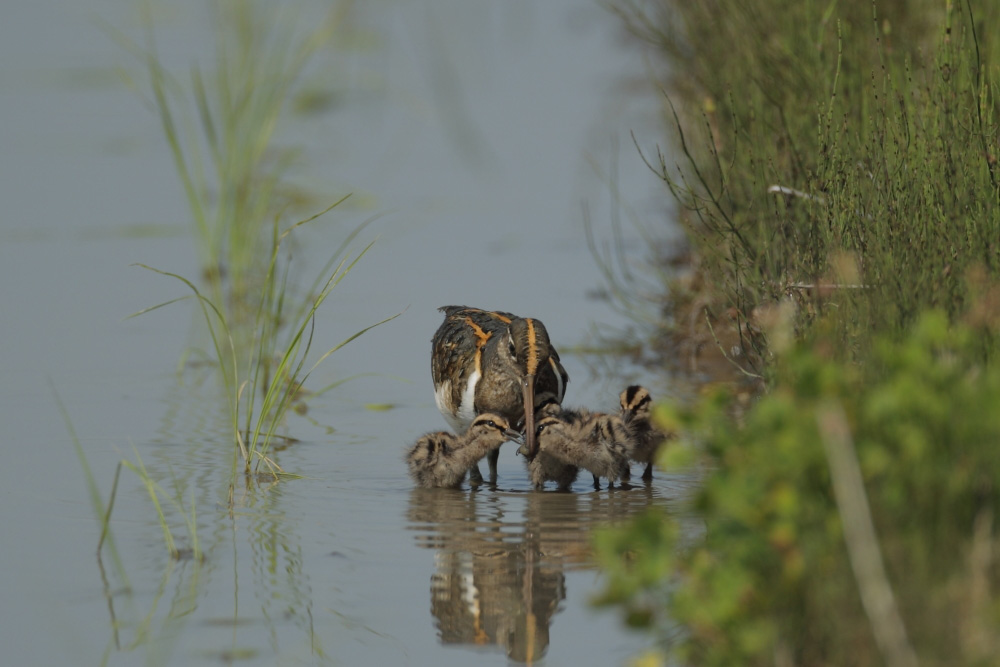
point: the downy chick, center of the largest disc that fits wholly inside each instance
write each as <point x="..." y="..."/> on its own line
<point x="545" y="467"/>
<point x="550" y="408"/>
<point x="647" y="438"/>
<point x="442" y="459"/>
<point x="596" y="442"/>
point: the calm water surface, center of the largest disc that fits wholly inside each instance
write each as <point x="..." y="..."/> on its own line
<point x="479" y="132"/>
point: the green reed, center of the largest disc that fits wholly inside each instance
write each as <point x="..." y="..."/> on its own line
<point x="220" y="127"/>
<point x="101" y="513"/>
<point x="156" y="491"/>
<point x="221" y="130"/>
<point x="272" y="364"/>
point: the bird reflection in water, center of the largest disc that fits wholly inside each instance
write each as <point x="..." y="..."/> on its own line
<point x="501" y="559"/>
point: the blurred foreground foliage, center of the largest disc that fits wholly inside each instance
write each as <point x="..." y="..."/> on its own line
<point x="837" y="171"/>
<point x="771" y="579"/>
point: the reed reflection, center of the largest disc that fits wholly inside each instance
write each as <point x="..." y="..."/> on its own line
<point x="501" y="559"/>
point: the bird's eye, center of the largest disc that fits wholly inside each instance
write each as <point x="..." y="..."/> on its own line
<point x="491" y="424"/>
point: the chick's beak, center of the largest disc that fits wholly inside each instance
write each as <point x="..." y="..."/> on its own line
<point x="514" y="436"/>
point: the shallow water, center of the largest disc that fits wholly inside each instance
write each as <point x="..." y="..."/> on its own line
<point x="478" y="132"/>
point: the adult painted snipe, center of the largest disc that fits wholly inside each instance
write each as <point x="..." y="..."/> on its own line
<point x="492" y="361"/>
<point x="442" y="459"/>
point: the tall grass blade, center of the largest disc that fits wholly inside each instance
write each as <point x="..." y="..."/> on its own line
<point x="101" y="513"/>
<point x="111" y="504"/>
<point x="351" y="338"/>
<point x="151" y="488"/>
<point x="205" y="305"/>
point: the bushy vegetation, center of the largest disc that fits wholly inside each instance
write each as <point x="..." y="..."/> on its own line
<point x="777" y="572"/>
<point x="838" y="175"/>
<point x="813" y="136"/>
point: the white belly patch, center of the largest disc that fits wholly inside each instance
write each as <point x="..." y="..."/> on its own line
<point x="466" y="412"/>
<point x="467" y="409"/>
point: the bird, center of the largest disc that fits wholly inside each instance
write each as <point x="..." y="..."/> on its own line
<point x="493" y="361"/>
<point x="647" y="438"/>
<point x="595" y="441"/>
<point x="548" y="407"/>
<point x="442" y="459"/>
<point x="546" y="467"/>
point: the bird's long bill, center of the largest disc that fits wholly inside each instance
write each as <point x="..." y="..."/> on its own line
<point x="528" y="389"/>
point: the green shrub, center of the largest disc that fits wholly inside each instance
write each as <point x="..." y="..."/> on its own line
<point x="772" y="574"/>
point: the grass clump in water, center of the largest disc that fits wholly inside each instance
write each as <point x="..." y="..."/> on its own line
<point x="234" y="181"/>
<point x="254" y="420"/>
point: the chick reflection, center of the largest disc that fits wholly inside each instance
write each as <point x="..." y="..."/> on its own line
<point x="500" y="560"/>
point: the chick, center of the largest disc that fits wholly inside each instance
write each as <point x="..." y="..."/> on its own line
<point x="596" y="442"/>
<point x="546" y="467"/>
<point x="549" y="408"/>
<point x="646" y="437"/>
<point x="442" y="459"/>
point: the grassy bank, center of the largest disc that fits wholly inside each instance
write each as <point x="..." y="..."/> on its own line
<point x="836" y="166"/>
<point x="830" y="153"/>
